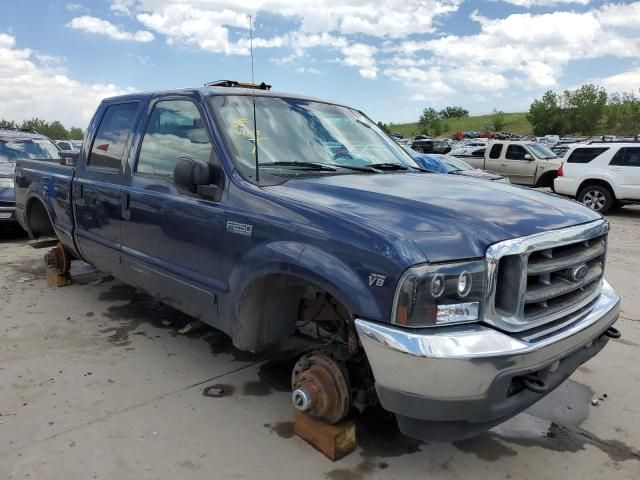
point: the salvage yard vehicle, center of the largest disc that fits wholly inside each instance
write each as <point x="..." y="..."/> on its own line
<point x="16" y="144"/>
<point x="455" y="303"/>
<point x="601" y="175"/>
<point x="524" y="162"/>
<point x="440" y="163"/>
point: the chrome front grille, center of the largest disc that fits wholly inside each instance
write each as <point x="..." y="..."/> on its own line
<point x="545" y="278"/>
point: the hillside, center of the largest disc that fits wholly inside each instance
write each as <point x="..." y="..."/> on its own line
<point x="515" y="123"/>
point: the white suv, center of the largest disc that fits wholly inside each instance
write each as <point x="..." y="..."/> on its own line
<point x="601" y="175"/>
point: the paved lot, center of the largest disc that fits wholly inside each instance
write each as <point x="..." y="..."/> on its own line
<point x="97" y="383"/>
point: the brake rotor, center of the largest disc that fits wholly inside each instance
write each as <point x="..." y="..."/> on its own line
<point x="321" y="387"/>
<point x="58" y="258"/>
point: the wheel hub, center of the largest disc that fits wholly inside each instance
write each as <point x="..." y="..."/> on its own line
<point x="321" y="388"/>
<point x="58" y="259"/>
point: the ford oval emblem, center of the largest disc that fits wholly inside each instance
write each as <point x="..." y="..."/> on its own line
<point x="577" y="274"/>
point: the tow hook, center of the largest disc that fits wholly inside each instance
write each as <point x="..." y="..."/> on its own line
<point x="613" y="332"/>
<point x="535" y="384"/>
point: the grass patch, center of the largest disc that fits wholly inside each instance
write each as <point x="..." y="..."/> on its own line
<point x="515" y="123"/>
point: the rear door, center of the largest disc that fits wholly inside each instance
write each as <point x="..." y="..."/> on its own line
<point x="171" y="237"/>
<point x="97" y="188"/>
<point x="625" y="170"/>
<point x="493" y="160"/>
<point x="518" y="168"/>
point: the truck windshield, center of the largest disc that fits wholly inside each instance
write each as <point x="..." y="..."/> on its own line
<point x="14" y="149"/>
<point x="294" y="133"/>
<point x="541" y="151"/>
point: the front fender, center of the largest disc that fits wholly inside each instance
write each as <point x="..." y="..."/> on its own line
<point x="309" y="263"/>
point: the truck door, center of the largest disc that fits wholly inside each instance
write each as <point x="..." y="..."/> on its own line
<point x="625" y="169"/>
<point x="170" y="244"/>
<point x="517" y="167"/>
<point x="493" y="160"/>
<point x="97" y="185"/>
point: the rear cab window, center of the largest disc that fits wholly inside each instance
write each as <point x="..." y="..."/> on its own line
<point x="585" y="155"/>
<point x="112" y="137"/>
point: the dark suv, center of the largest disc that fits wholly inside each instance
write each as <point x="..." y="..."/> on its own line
<point x="18" y="144"/>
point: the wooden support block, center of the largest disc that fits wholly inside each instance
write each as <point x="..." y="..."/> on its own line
<point x="335" y="441"/>
<point x="56" y="279"/>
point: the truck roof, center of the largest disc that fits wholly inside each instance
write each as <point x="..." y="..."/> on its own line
<point x="215" y="90"/>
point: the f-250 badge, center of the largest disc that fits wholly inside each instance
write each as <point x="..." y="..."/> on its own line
<point x="240" y="228"/>
<point x="376" y="280"/>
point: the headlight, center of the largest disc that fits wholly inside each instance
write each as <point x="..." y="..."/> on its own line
<point x="440" y="294"/>
<point x="6" y="182"/>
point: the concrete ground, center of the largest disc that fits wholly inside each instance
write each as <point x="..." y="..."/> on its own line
<point x="97" y="383"/>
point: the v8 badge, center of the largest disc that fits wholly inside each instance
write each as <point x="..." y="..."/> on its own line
<point x="376" y="280"/>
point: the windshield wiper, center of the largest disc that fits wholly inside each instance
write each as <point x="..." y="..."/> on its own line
<point x="388" y="166"/>
<point x="319" y="167"/>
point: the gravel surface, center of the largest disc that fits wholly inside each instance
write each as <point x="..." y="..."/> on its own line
<point x="96" y="382"/>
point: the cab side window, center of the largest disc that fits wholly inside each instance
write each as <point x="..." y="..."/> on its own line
<point x="516" y="152"/>
<point x="627" y="157"/>
<point x="112" y="136"/>
<point x="495" y="151"/>
<point x="175" y="130"/>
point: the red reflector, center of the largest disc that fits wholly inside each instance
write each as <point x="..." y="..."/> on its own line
<point x="560" y="171"/>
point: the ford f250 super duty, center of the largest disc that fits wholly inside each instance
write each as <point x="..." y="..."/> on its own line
<point x="455" y="303"/>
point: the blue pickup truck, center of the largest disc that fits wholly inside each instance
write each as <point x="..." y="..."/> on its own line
<point x="453" y="302"/>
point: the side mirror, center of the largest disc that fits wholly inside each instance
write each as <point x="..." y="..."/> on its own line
<point x="195" y="177"/>
<point x="527" y="156"/>
<point x="69" y="158"/>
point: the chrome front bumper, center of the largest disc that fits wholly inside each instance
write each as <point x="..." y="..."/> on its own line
<point x="473" y="365"/>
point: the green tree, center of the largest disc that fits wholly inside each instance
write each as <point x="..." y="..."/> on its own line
<point x="498" y="120"/>
<point x="585" y="108"/>
<point x="7" y="123"/>
<point x="76" y="133"/>
<point x="36" y="124"/>
<point x="454" y="112"/>
<point x="57" y="131"/>
<point x="384" y="127"/>
<point x="429" y="118"/>
<point x="622" y="113"/>
<point x="546" y="115"/>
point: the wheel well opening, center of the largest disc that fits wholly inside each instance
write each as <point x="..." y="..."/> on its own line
<point x="38" y="220"/>
<point x="547" y="178"/>
<point x="275" y="306"/>
<point x="601" y="183"/>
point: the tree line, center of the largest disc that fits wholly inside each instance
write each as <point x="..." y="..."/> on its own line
<point x="587" y="110"/>
<point x="55" y="130"/>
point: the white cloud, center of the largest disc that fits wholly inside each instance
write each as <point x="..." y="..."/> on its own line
<point x="545" y="3"/>
<point x="76" y="7"/>
<point x="361" y="56"/>
<point x="108" y="29"/>
<point x="623" y="82"/>
<point x="308" y="70"/>
<point x="528" y="50"/>
<point x="30" y="88"/>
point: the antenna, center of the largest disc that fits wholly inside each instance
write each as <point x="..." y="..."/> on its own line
<point x="253" y="98"/>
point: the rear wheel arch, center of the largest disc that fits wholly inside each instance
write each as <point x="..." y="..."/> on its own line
<point x="547" y="178"/>
<point x="38" y="220"/>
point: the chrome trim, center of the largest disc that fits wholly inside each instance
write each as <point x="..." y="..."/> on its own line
<point x="463" y="361"/>
<point x="524" y="246"/>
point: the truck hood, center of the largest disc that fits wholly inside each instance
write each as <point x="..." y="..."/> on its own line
<point x="7" y="169"/>
<point x="447" y="217"/>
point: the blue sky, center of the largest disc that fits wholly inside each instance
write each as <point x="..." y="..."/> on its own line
<point x="390" y="58"/>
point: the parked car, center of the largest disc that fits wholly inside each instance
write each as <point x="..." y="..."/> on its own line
<point x="442" y="163"/>
<point x="18" y="144"/>
<point x="601" y="176"/>
<point x="435" y="295"/>
<point x="524" y="162"/>
<point x="473" y="150"/>
<point x="69" y="145"/>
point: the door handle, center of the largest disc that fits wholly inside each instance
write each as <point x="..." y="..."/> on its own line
<point x="125" y="205"/>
